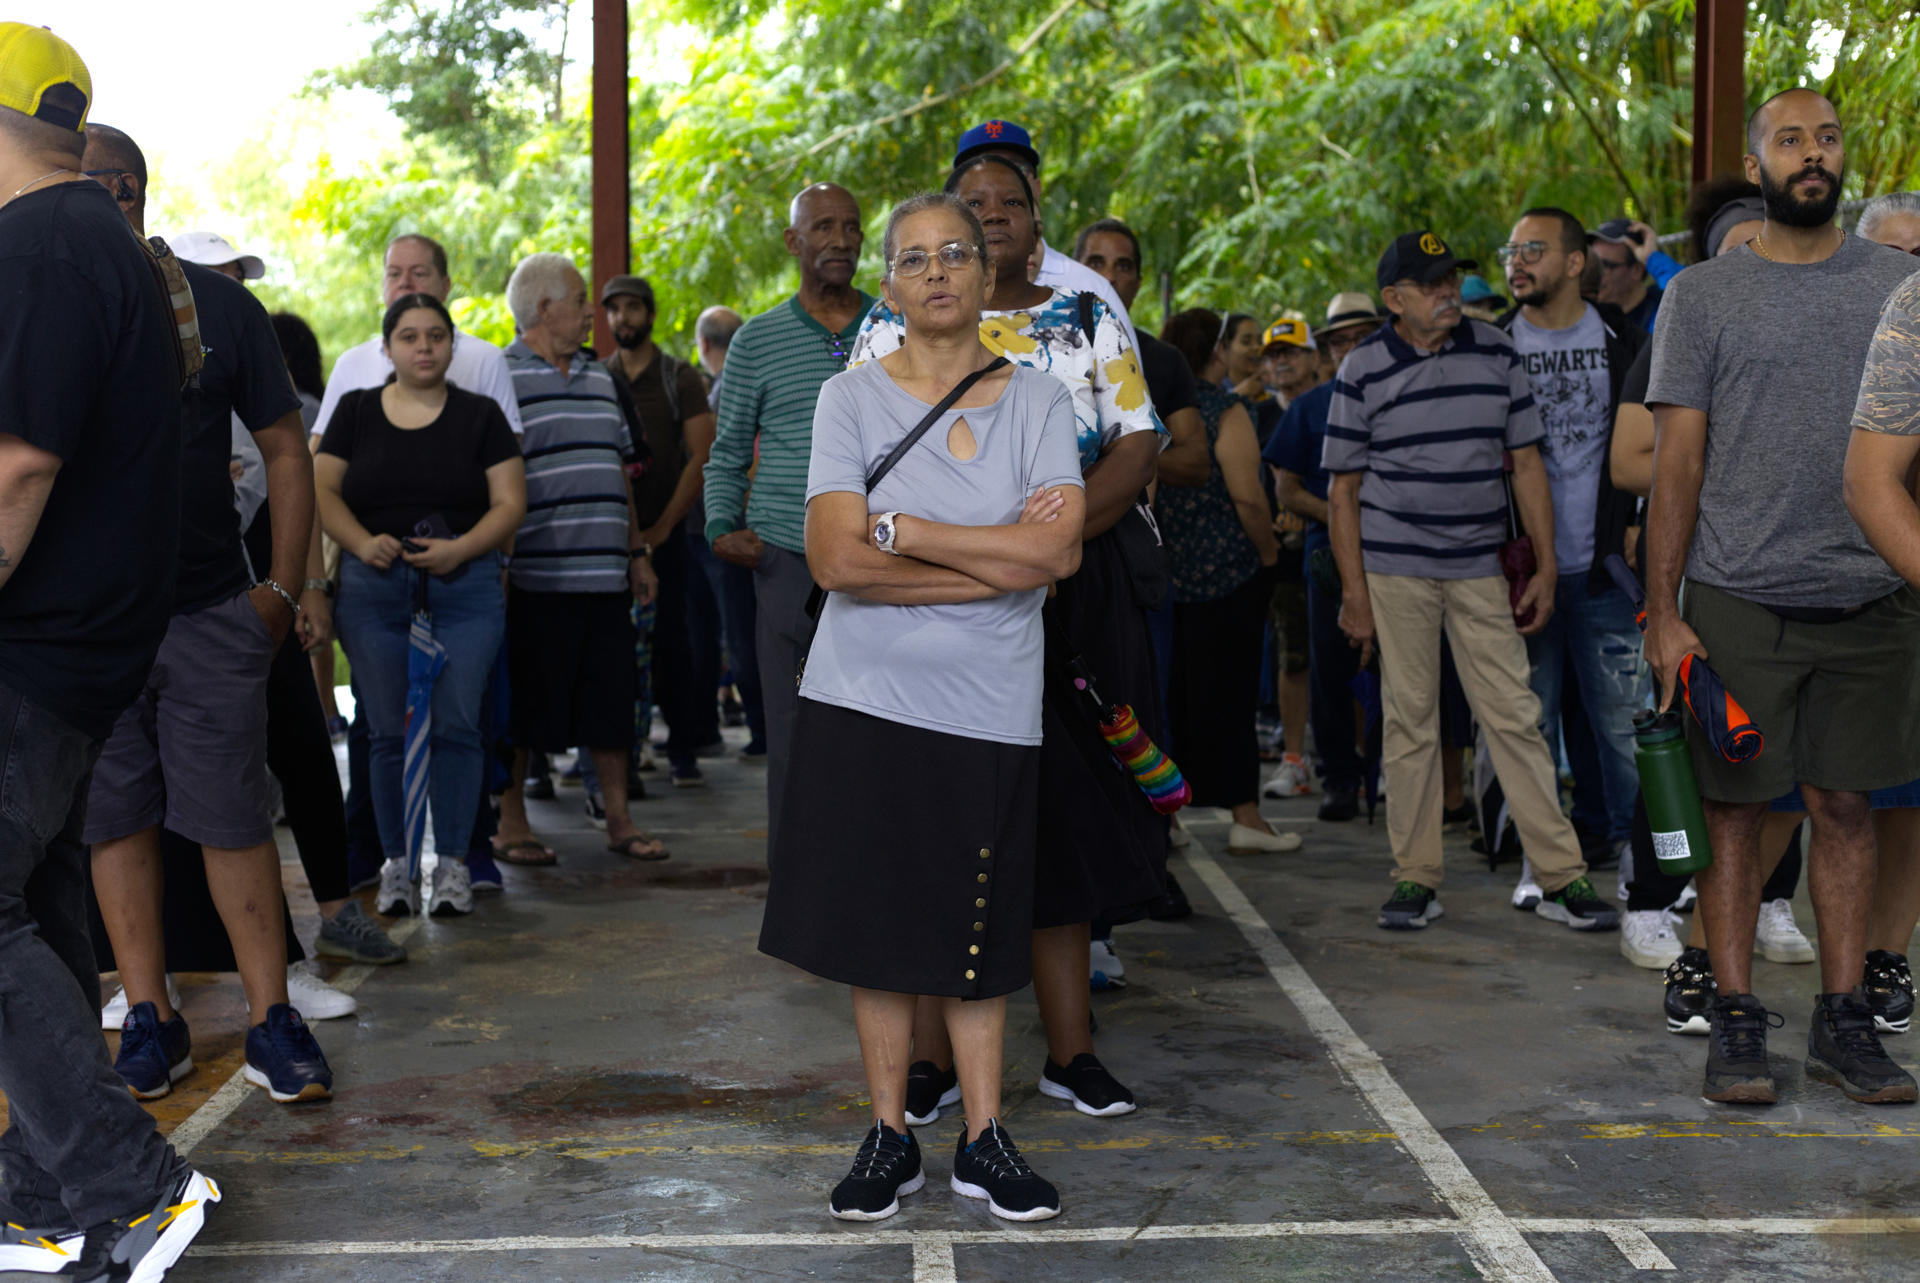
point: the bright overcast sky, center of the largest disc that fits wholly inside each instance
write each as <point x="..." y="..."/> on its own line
<point x="193" y="82"/>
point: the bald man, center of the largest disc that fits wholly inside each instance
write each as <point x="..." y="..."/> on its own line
<point x="1757" y="363"/>
<point x="775" y="366"/>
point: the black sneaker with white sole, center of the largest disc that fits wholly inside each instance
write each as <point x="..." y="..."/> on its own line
<point x="1410" y="907"/>
<point x="1843" y="1050"/>
<point x="1737" y="1070"/>
<point x="991" y="1168"/>
<point x="887" y="1166"/>
<point x="1087" y="1084"/>
<point x="1579" y="906"/>
<point x="1690" y="993"/>
<point x="139" y="1247"/>
<point x="930" y="1089"/>
<point x="1888" y="989"/>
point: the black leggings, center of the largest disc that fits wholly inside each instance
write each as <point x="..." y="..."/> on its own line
<point x="300" y="755"/>
<point x="1650" y="888"/>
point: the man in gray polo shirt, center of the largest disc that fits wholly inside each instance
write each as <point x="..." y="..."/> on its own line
<point x="1422" y="411"/>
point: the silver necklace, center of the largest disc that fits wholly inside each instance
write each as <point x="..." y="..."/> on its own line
<point x="43" y="178"/>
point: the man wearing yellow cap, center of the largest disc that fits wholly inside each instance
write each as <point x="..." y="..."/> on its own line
<point x="90" y="378"/>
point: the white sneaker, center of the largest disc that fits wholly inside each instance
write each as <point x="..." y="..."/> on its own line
<point x="1527" y="893"/>
<point x="1177" y="836"/>
<point x="1647" y="938"/>
<point x="1242" y="840"/>
<point x="1103" y="966"/>
<point x="314" y="998"/>
<point x="114" y="1014"/>
<point x="1778" y="936"/>
<point x="1289" y="779"/>
<point x="399" y="895"/>
<point x="452" y="890"/>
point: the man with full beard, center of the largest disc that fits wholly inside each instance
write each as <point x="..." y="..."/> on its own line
<point x="678" y="423"/>
<point x="1758" y="353"/>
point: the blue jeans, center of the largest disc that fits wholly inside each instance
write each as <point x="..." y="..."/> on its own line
<point x="732" y="588"/>
<point x="372" y="616"/>
<point x="1593" y="644"/>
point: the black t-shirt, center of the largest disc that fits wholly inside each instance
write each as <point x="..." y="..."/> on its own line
<point x="88" y="372"/>
<point x="665" y="432"/>
<point x="397" y="476"/>
<point x="1169" y="381"/>
<point x="244" y="375"/>
<point x="1633" y="388"/>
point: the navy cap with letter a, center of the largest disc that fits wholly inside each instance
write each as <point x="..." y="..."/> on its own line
<point x="1418" y="256"/>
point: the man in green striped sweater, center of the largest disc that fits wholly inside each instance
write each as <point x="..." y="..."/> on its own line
<point x="775" y="367"/>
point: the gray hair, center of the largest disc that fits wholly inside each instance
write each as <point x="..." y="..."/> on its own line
<point x="1881" y="208"/>
<point x="921" y="204"/>
<point x="540" y="278"/>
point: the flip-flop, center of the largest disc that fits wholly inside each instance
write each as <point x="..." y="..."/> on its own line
<point x="526" y="852"/>
<point x="625" y="846"/>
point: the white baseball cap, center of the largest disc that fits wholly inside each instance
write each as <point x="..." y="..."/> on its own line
<point x="211" y="249"/>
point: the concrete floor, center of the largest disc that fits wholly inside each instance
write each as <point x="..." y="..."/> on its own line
<point x="597" y="1077"/>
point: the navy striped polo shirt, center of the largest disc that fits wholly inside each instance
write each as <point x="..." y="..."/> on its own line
<point x="1430" y="431"/>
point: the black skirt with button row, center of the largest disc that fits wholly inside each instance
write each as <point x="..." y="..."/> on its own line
<point x="904" y="860"/>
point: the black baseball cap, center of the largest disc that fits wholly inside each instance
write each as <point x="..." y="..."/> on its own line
<point x="1615" y="231"/>
<point x="1418" y="256"/>
<point x="637" y="286"/>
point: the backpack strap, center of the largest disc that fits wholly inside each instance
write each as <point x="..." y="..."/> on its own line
<point x="670" y="368"/>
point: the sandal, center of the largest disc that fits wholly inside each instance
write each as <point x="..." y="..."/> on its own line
<point x="625" y="846"/>
<point x="525" y="852"/>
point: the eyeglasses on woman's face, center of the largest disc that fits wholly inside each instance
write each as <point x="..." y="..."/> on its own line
<point x="954" y="256"/>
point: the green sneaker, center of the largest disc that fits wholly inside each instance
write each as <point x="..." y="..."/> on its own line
<point x="1579" y="906"/>
<point x="1410" y="907"/>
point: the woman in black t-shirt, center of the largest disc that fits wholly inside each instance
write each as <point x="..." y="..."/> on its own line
<point x="421" y="482"/>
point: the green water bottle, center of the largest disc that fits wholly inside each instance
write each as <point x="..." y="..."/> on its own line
<point x="1673" y="798"/>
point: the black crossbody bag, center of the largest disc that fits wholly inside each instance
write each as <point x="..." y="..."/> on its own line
<point x="817" y="599"/>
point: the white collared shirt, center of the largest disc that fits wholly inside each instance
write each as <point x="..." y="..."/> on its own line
<point x="478" y="367"/>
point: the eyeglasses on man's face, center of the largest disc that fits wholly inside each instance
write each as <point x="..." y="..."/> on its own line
<point x="1525" y="251"/>
<point x="954" y="256"/>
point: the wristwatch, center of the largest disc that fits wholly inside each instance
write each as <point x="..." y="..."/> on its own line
<point x="322" y="586"/>
<point x="884" y="531"/>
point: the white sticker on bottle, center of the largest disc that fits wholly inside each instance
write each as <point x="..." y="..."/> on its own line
<point x="1669" y="847"/>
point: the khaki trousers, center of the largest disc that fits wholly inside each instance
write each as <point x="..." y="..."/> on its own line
<point x="1491" y="657"/>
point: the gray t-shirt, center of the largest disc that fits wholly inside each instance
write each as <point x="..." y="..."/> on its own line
<point x="970" y="669"/>
<point x="1773" y="352"/>
<point x="1568" y="371"/>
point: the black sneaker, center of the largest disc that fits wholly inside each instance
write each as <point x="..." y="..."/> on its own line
<point x="930" y="1089"/>
<point x="1888" y="989"/>
<point x="1579" y="906"/>
<point x="539" y="788"/>
<point x="1737" y="1072"/>
<point x="153" y="1056"/>
<point x="1086" y="1082"/>
<point x="1689" y="1001"/>
<point x="1843" y="1050"/>
<point x="139" y="1247"/>
<point x="1339" y="805"/>
<point x="1456" y="814"/>
<point x="991" y="1168"/>
<point x="887" y="1166"/>
<point x="1410" y="907"/>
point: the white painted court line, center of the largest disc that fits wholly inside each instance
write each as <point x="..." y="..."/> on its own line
<point x="1498" y="1249"/>
<point x="234" y="1092"/>
<point x="1640" y="1251"/>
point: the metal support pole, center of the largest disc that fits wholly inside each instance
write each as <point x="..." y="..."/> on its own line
<point x="611" y="230"/>
<point x="1719" y="87"/>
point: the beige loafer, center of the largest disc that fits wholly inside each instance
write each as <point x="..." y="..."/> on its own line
<point x="1242" y="840"/>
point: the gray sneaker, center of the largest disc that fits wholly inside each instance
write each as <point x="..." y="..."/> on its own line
<point x="354" y="937"/>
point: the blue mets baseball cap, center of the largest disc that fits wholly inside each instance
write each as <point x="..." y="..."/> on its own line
<point x="997" y="135"/>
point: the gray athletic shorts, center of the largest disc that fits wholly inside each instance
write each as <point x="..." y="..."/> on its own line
<point x="191" y="751"/>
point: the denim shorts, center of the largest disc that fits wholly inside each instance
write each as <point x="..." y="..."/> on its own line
<point x="191" y="750"/>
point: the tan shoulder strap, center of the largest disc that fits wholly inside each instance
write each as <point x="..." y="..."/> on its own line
<point x="172" y="279"/>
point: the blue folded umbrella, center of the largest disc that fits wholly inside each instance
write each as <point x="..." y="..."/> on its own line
<point x="425" y="658"/>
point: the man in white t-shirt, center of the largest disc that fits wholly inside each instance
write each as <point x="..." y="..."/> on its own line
<point x="1057" y="270"/>
<point x="417" y="264"/>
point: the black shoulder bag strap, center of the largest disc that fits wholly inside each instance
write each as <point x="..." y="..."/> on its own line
<point x="818" y="597"/>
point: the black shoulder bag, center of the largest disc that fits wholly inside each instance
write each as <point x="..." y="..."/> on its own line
<point x="1137" y="535"/>
<point x="817" y="599"/>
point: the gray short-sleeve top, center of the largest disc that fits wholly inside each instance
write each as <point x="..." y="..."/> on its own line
<point x="973" y="668"/>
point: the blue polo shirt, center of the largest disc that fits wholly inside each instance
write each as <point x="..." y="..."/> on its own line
<point x="1295" y="447"/>
<point x="1430" y="430"/>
